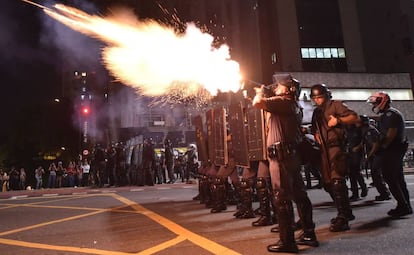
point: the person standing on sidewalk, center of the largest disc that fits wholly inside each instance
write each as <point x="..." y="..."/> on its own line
<point x="39" y="171"/>
<point x="52" y="176"/>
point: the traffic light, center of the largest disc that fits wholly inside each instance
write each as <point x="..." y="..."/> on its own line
<point x="85" y="110"/>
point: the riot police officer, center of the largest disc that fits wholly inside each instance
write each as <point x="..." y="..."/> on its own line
<point x="146" y="176"/>
<point x="283" y="136"/>
<point x="393" y="146"/>
<point x="370" y="143"/>
<point x="355" y="154"/>
<point x="169" y="160"/>
<point x="328" y="120"/>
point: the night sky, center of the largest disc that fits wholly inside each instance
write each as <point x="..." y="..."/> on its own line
<point x="37" y="54"/>
<point x="23" y="58"/>
<point x="35" y="50"/>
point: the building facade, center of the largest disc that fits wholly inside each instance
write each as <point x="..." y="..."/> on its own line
<point x="354" y="47"/>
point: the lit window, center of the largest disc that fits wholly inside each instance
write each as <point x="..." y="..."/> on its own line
<point x="326" y="53"/>
<point x="319" y="52"/>
<point x="334" y="52"/>
<point x="312" y="53"/>
<point x="341" y="52"/>
<point x="322" y="52"/>
<point x="305" y="52"/>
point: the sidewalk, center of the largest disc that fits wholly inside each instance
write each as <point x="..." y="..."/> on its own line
<point x="15" y="194"/>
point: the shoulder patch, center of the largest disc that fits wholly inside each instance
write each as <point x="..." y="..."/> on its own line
<point x="388" y="114"/>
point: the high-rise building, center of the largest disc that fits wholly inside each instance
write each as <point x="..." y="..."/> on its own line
<point x="355" y="47"/>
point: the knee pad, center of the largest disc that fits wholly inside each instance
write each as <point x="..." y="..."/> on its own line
<point x="261" y="183"/>
<point x="244" y="184"/>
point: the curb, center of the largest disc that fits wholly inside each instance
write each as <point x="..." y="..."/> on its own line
<point x="17" y="194"/>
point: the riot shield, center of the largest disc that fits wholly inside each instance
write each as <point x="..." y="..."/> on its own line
<point x="220" y="136"/>
<point x="256" y="134"/>
<point x="238" y="131"/>
<point x="210" y="134"/>
<point x="201" y="139"/>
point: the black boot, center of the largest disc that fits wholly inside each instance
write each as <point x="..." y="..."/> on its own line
<point x="340" y="223"/>
<point x="383" y="197"/>
<point x="203" y="189"/>
<point x="219" y="196"/>
<point x="287" y="238"/>
<point x="308" y="236"/>
<point x="245" y="210"/>
<point x="209" y="186"/>
<point x="295" y="225"/>
<point x="263" y="186"/>
<point x="354" y="188"/>
<point x="232" y="196"/>
<point x="364" y="188"/>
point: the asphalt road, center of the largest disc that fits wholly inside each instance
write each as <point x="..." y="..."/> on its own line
<point x="163" y="219"/>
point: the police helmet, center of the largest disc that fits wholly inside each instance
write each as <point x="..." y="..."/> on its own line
<point x="318" y="90"/>
<point x="379" y="101"/>
<point x="288" y="81"/>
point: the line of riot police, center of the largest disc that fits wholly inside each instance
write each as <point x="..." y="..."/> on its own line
<point x="250" y="154"/>
<point x="138" y="162"/>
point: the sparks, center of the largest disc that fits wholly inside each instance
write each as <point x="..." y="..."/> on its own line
<point x="154" y="58"/>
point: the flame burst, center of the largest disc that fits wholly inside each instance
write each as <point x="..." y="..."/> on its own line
<point x="155" y="59"/>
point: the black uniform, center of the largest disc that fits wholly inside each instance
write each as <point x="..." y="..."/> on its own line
<point x="370" y="137"/>
<point x="392" y="160"/>
<point x="355" y="155"/>
<point x="283" y="125"/>
<point x="146" y="175"/>
<point x="169" y="161"/>
<point x="334" y="164"/>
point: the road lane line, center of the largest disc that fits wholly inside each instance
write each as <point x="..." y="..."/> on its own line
<point x="51" y="222"/>
<point x="17" y="197"/>
<point x="60" y="248"/>
<point x="201" y="241"/>
<point x="50" y="195"/>
<point x="162" y="246"/>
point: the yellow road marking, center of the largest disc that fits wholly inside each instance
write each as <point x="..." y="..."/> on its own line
<point x="203" y="242"/>
<point x="183" y="234"/>
<point x="50" y="223"/>
<point x="162" y="246"/>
